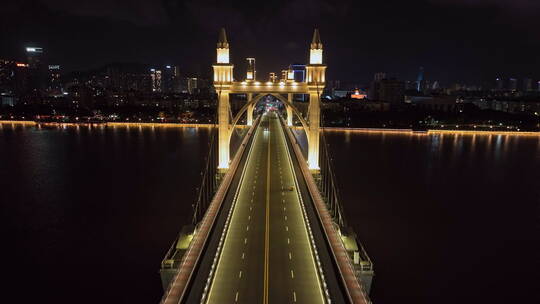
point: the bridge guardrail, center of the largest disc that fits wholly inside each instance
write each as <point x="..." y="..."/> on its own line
<point x="355" y="290"/>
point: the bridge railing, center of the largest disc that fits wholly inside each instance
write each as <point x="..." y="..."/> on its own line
<point x="210" y="179"/>
<point x="328" y="185"/>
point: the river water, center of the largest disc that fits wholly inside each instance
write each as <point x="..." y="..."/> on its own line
<point x="88" y="213"/>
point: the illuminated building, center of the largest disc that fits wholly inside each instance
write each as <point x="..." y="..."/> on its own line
<point x="170" y="79"/>
<point x="420" y="80"/>
<point x="299" y="72"/>
<point x="357" y="94"/>
<point x="155" y="75"/>
<point x="284" y="74"/>
<point x="192" y="85"/>
<point x="14" y="80"/>
<point x="54" y="79"/>
<point x="272" y="77"/>
<point x="36" y="71"/>
<point x="251" y="72"/>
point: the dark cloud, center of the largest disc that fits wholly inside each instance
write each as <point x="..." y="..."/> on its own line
<point x="140" y="12"/>
<point x="467" y="40"/>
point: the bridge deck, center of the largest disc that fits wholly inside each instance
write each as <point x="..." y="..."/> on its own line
<point x="267" y="256"/>
<point x="267" y="241"/>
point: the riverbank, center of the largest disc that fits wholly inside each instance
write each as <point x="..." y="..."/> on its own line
<point x="336" y="129"/>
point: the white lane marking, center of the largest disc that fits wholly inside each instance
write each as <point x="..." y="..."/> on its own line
<point x="286" y="228"/>
<point x="292" y="274"/>
<point x="284" y="208"/>
<point x="236" y="297"/>
<point x="240" y="274"/>
<point x="288" y="240"/>
<point x="245" y="240"/>
<point x="290" y="256"/>
<point x="285" y="217"/>
<point x="247" y="228"/>
<point x="294" y="296"/>
<point x="249" y="217"/>
<point x="244" y="254"/>
<point x="250" y="208"/>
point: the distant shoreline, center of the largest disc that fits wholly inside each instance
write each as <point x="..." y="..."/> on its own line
<point x="332" y="129"/>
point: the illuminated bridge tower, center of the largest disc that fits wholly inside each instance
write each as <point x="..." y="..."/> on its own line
<point x="315" y="78"/>
<point x="223" y="78"/>
<point x="256" y="90"/>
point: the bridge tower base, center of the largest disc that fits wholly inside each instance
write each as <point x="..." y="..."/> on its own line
<point x="249" y="120"/>
<point x="289" y="110"/>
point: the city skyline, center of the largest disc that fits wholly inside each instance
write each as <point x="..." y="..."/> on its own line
<point x="492" y="38"/>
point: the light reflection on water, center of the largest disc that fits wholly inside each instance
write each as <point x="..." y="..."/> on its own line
<point x="95" y="198"/>
<point x="452" y="205"/>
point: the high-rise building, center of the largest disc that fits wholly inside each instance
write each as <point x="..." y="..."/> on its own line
<point x="170" y="79"/>
<point x="527" y="85"/>
<point x="14" y="79"/>
<point x="251" y="73"/>
<point x="284" y="74"/>
<point x="36" y="70"/>
<point x="299" y="72"/>
<point x="54" y="79"/>
<point x="155" y="75"/>
<point x="386" y="90"/>
<point x="272" y="77"/>
<point x="512" y="84"/>
<point x="192" y="85"/>
<point x="420" y="80"/>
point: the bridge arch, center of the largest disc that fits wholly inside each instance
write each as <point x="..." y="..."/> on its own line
<point x="285" y="101"/>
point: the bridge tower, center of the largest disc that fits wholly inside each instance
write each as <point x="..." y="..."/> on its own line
<point x="315" y="78"/>
<point x="223" y="79"/>
<point x="255" y="90"/>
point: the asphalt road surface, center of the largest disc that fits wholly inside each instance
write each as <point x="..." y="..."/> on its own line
<point x="266" y="255"/>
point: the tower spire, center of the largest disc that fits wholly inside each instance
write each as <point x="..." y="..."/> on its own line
<point x="222" y="42"/>
<point x="316" y="41"/>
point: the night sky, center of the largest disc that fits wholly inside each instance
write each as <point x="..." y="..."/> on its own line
<point x="454" y="40"/>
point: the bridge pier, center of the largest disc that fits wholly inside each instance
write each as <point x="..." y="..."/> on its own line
<point x="224" y="129"/>
<point x="289" y="110"/>
<point x="250" y="108"/>
<point x="314" y="126"/>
